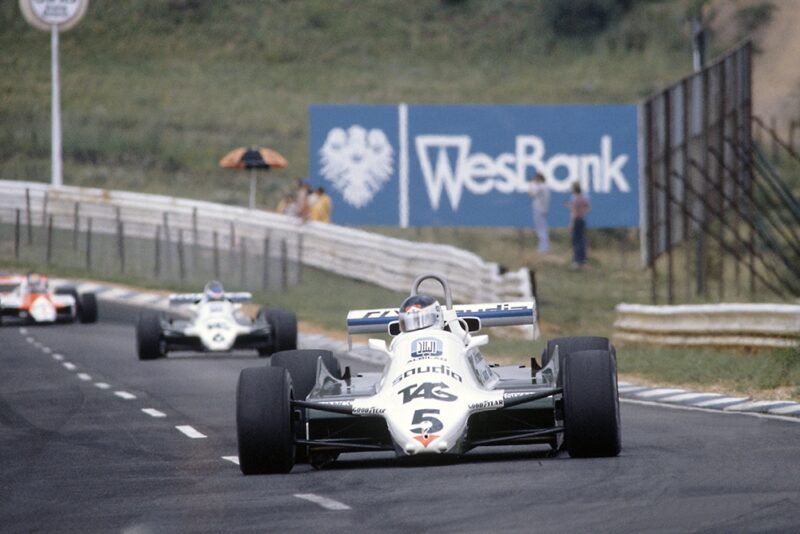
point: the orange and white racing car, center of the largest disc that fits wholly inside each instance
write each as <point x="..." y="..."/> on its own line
<point x="28" y="297"/>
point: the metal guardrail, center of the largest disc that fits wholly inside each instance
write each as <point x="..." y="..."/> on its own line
<point x="219" y="233"/>
<point x="740" y="325"/>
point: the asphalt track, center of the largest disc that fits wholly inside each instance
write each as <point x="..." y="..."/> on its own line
<point x="89" y="442"/>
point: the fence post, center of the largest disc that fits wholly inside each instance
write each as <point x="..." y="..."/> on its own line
<point x="44" y="210"/>
<point x="232" y="236"/>
<point x="181" y="263"/>
<point x="121" y="245"/>
<point x="76" y="221"/>
<point x="242" y="261"/>
<point x="157" y="253"/>
<point x="49" y="255"/>
<point x="167" y="243"/>
<point x="265" y="265"/>
<point x="216" y="254"/>
<point x="194" y="236"/>
<point x="284" y="265"/>
<point x="89" y="244"/>
<point x="28" y="215"/>
<point x="17" y="230"/>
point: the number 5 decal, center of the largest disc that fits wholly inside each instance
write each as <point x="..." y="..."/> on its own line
<point x="424" y="416"/>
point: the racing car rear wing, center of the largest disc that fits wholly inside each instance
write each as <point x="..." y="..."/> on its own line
<point x="179" y="299"/>
<point x="520" y="313"/>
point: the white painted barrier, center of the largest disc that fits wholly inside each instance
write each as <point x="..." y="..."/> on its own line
<point x="741" y="325"/>
<point x="384" y="261"/>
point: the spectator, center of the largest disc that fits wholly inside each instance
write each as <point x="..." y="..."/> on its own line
<point x="540" y="196"/>
<point x="322" y="207"/>
<point x="288" y="206"/>
<point x="578" y="206"/>
<point x="301" y="198"/>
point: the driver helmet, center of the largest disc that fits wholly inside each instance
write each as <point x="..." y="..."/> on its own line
<point x="420" y="311"/>
<point x="214" y="291"/>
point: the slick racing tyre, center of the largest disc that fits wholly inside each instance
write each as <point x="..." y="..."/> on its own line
<point x="87" y="310"/>
<point x="264" y="427"/>
<point x="283" y="329"/>
<point x="591" y="404"/>
<point x="302" y="365"/>
<point x="148" y="337"/>
<point x="568" y="345"/>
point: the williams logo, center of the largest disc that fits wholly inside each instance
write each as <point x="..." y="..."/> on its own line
<point x="426" y="347"/>
<point x="358" y="162"/>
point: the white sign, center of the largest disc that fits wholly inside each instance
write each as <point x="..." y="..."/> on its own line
<point x="43" y="14"/>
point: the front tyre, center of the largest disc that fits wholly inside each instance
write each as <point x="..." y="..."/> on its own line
<point x="302" y="365"/>
<point x="264" y="428"/>
<point x="87" y="310"/>
<point x="283" y="330"/>
<point x="591" y="404"/>
<point x="148" y="337"/>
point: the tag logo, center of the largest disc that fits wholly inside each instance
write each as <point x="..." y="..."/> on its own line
<point x="358" y="162"/>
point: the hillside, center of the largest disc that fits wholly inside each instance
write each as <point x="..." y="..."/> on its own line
<point x="154" y="92"/>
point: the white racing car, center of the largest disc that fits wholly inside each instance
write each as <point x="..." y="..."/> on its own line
<point x="215" y="323"/>
<point x="436" y="395"/>
<point x="30" y="299"/>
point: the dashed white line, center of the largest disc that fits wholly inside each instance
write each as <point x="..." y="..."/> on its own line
<point x="125" y="395"/>
<point x="85" y="377"/>
<point x="58" y="357"/>
<point x="232" y="459"/>
<point x="47" y="350"/>
<point x="69" y="366"/>
<point x="23" y="331"/>
<point x="189" y="431"/>
<point x="101" y="385"/>
<point x="152" y="412"/>
<point x="325" y="502"/>
<point x="29" y="339"/>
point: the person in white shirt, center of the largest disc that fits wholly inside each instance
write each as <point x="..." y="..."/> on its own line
<point x="540" y="197"/>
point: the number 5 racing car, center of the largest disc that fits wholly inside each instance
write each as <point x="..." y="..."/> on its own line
<point x="215" y="323"/>
<point x="29" y="298"/>
<point x="436" y="395"/>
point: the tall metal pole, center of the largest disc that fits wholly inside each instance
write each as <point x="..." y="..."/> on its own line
<point x="57" y="178"/>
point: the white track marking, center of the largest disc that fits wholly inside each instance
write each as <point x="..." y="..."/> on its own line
<point x="69" y="366"/>
<point x="125" y="395"/>
<point x="23" y="331"/>
<point x="101" y="385"/>
<point x="746" y="406"/>
<point x="723" y="400"/>
<point x="47" y="350"/>
<point x="659" y="392"/>
<point x="709" y="410"/>
<point x="29" y="339"/>
<point x="85" y="377"/>
<point x="325" y="502"/>
<point x="58" y="357"/>
<point x="190" y="432"/>
<point x="686" y="396"/>
<point x="232" y="459"/>
<point x="786" y="409"/>
<point x="152" y="412"/>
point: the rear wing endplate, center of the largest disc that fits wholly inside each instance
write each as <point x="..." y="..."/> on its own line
<point x="179" y="299"/>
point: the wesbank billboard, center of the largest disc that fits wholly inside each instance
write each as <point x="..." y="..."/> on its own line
<point x="456" y="165"/>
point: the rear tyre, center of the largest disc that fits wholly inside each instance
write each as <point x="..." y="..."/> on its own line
<point x="264" y="421"/>
<point x="283" y="330"/>
<point x="87" y="310"/>
<point x="302" y="365"/>
<point x="72" y="292"/>
<point x="148" y="337"/>
<point x="591" y="404"/>
<point x="574" y="344"/>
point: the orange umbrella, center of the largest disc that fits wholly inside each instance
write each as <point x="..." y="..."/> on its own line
<point x="253" y="158"/>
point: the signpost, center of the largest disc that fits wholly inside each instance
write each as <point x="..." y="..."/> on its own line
<point x="54" y="16"/>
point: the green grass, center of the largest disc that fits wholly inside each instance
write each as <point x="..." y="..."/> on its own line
<point x="155" y="92"/>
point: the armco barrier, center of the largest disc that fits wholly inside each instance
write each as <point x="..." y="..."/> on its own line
<point x="740" y="325"/>
<point x="387" y="262"/>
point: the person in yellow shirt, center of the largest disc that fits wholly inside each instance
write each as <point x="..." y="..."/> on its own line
<point x="321" y="209"/>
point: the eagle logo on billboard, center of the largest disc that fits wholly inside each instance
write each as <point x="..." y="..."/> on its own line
<point x="358" y="162"/>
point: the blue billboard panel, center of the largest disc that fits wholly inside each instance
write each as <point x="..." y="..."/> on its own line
<point x="457" y="165"/>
